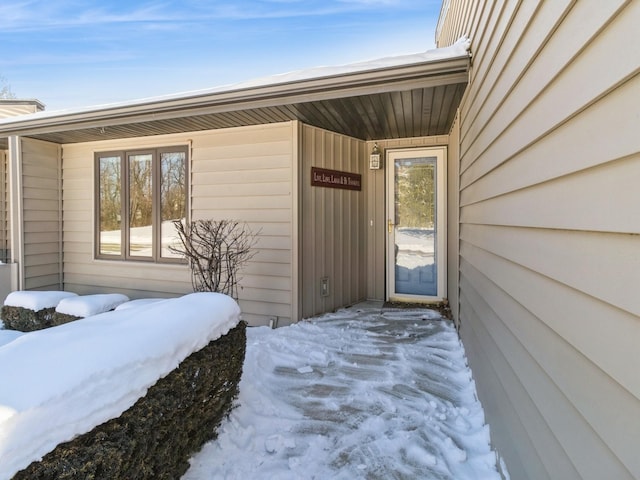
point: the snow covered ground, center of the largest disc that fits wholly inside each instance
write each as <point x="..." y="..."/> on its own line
<point x="361" y="393"/>
<point x="364" y="393"/>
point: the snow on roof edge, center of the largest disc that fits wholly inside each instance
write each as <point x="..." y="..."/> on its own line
<point x="459" y="49"/>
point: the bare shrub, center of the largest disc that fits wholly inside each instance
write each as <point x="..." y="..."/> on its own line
<point x="216" y="251"/>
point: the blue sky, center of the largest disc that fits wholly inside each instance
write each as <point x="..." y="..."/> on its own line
<point x="73" y="53"/>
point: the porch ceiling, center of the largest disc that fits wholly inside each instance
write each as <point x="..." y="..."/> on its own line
<point x="415" y="100"/>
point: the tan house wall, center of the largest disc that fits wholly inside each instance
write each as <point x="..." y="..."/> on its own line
<point x="549" y="205"/>
<point x="453" y="220"/>
<point x="41" y="220"/>
<point x="376" y="210"/>
<point x="243" y="173"/>
<point x="13" y="108"/>
<point x="8" y="271"/>
<point x="333" y="232"/>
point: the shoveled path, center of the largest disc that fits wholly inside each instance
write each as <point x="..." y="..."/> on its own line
<point x="367" y="392"/>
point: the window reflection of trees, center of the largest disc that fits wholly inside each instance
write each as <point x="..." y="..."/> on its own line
<point x="110" y="205"/>
<point x="154" y="195"/>
<point x="415" y="193"/>
<point x="173" y="199"/>
<point x="172" y="182"/>
<point x="140" y="191"/>
<point x="110" y="198"/>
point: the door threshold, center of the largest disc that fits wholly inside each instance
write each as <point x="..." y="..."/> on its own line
<point x="441" y="306"/>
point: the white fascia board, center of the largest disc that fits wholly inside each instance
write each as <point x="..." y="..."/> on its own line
<point x="430" y="72"/>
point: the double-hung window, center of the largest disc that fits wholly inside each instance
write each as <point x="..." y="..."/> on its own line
<point x="139" y="194"/>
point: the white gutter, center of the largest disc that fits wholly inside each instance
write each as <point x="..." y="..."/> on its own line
<point x="60" y="224"/>
<point x="250" y="95"/>
<point x="15" y="217"/>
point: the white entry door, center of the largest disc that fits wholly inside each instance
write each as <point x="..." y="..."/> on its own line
<point x="416" y="228"/>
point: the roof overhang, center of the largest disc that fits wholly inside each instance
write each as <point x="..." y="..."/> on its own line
<point x="399" y="101"/>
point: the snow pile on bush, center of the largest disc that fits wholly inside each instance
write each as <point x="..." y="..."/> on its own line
<point x="36" y="300"/>
<point x="31" y="310"/>
<point x="138" y="303"/>
<point x="88" y="305"/>
<point x="65" y="381"/>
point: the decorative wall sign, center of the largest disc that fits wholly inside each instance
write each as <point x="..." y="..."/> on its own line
<point x="321" y="177"/>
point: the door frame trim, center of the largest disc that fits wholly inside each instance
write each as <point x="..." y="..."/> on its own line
<point x="440" y="152"/>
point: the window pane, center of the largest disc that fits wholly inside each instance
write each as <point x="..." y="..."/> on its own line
<point x="415" y="232"/>
<point x="110" y="206"/>
<point x="140" y="205"/>
<point x="172" y="199"/>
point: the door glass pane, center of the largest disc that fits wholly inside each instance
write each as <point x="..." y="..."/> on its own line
<point x="140" y="205"/>
<point x="173" y="199"/>
<point x="415" y="231"/>
<point x="110" y="206"/>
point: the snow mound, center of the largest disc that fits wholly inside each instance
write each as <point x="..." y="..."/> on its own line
<point x="66" y="380"/>
<point x="139" y="303"/>
<point x="88" y="305"/>
<point x="36" y="300"/>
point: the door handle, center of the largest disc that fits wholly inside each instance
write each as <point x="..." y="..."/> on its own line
<point x="390" y="225"/>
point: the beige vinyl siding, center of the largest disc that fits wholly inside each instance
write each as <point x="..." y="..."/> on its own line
<point x="15" y="108"/>
<point x="238" y="173"/>
<point x="549" y="209"/>
<point x="376" y="210"/>
<point x="41" y="223"/>
<point x="84" y="274"/>
<point x="332" y="224"/>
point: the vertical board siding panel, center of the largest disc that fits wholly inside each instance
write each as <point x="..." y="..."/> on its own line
<point x="40" y="178"/>
<point x="245" y="157"/>
<point x="331" y="203"/>
<point x="340" y="212"/>
<point x="348" y="206"/>
<point x="375" y="265"/>
<point x="357" y="225"/>
<point x="308" y="229"/>
<point x="319" y="213"/>
<point x="358" y="150"/>
<point x="335" y="218"/>
<point x="548" y="155"/>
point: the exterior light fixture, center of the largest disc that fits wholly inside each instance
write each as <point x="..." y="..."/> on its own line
<point x="374" y="158"/>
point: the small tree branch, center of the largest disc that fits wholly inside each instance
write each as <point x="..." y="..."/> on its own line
<point x="216" y="251"/>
